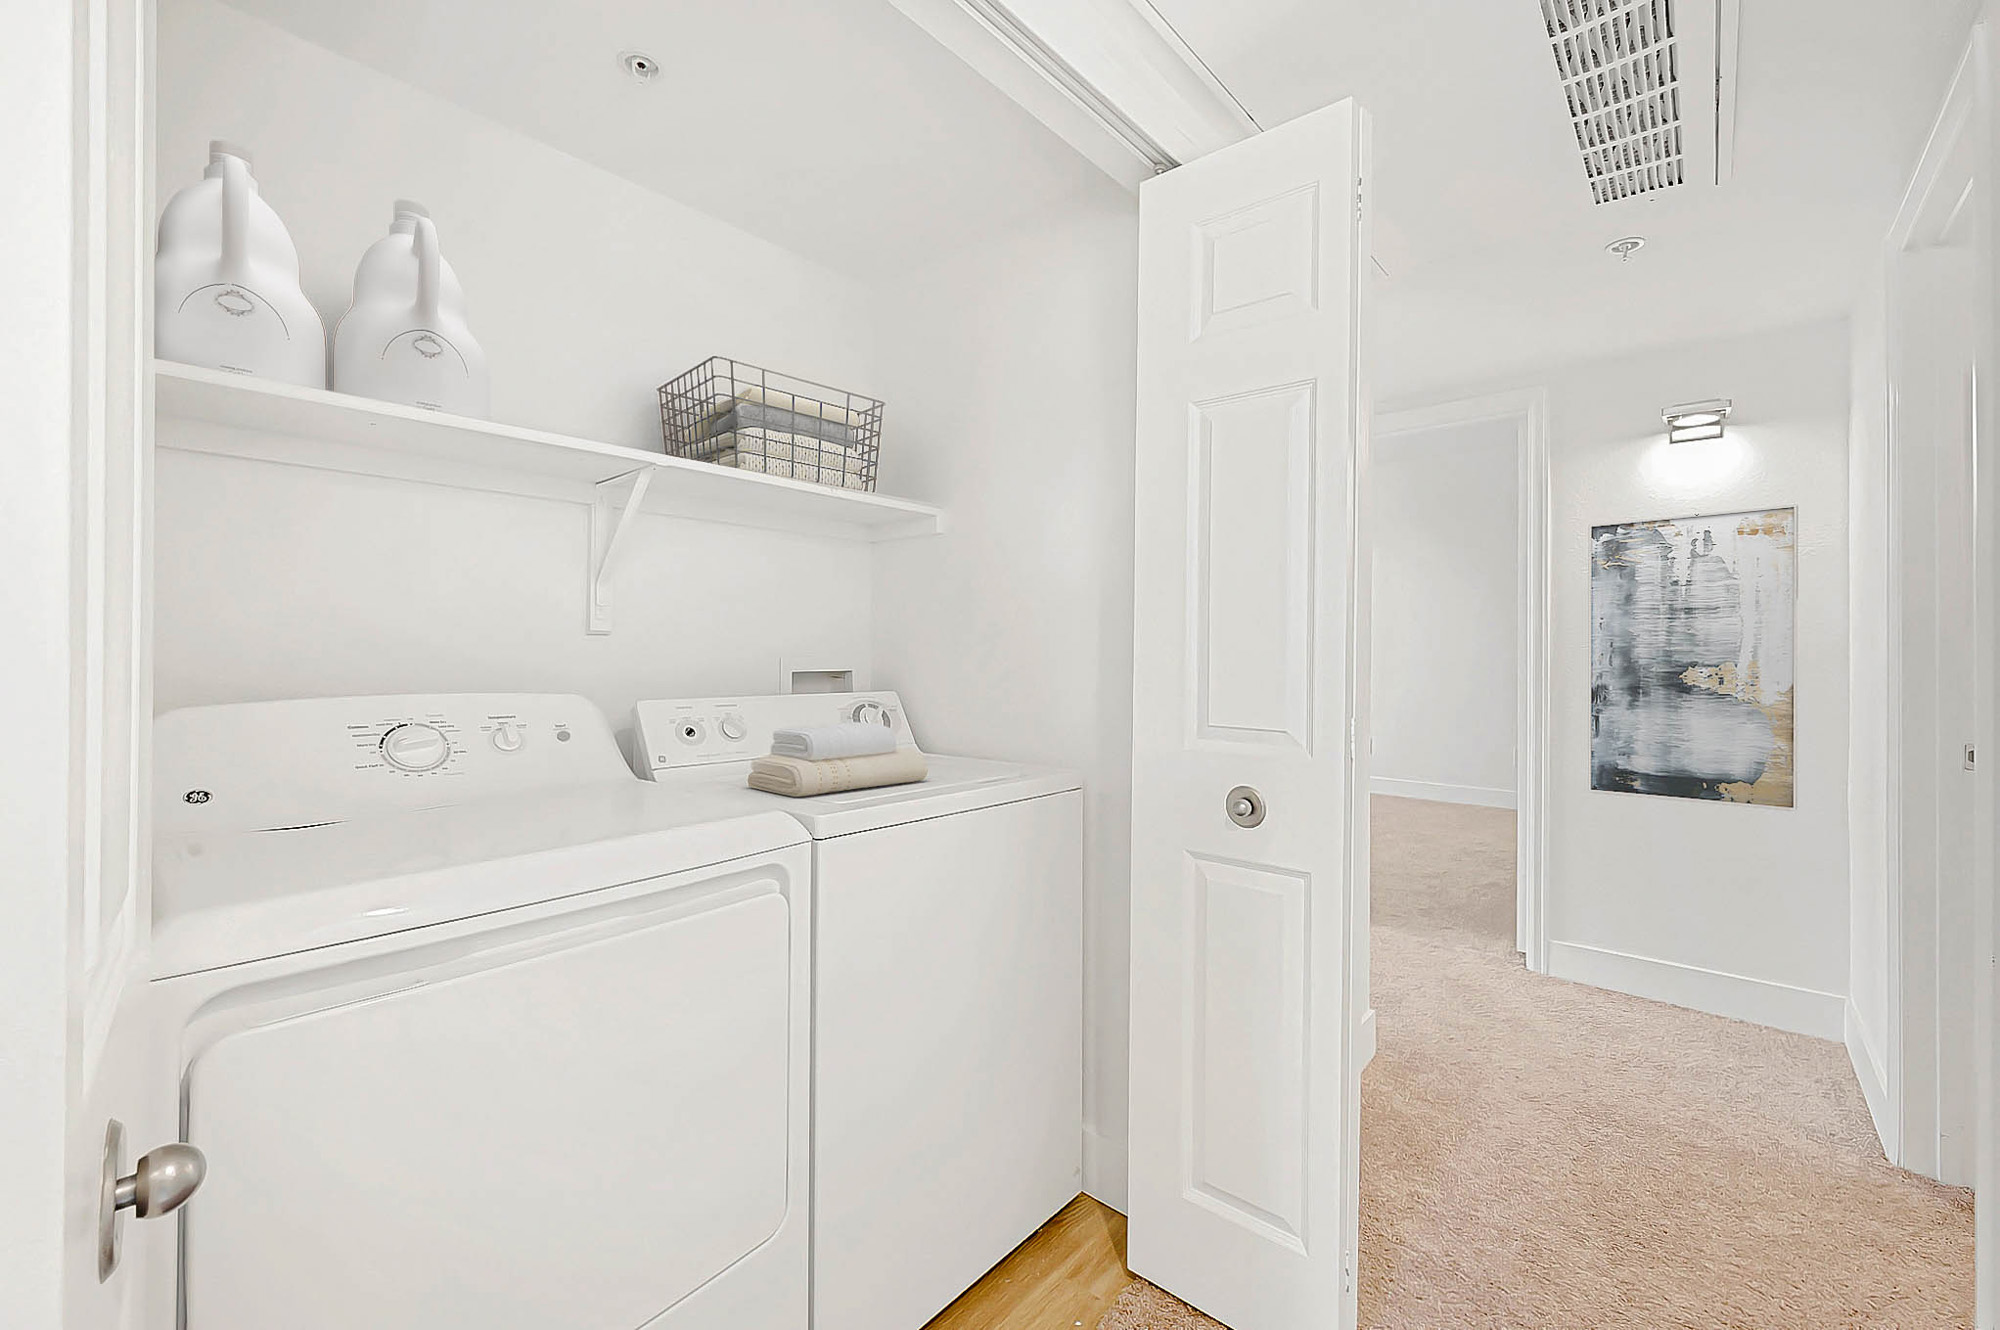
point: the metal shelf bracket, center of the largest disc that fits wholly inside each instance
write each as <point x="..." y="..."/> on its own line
<point x="609" y="538"/>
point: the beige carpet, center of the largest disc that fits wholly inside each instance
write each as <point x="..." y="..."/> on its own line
<point x="1539" y="1154"/>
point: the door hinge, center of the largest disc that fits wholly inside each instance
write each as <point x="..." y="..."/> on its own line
<point x="1357" y="199"/>
<point x="1347" y="1272"/>
<point x="1353" y="730"/>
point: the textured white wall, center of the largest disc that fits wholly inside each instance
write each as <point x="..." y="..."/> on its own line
<point x="1011" y="366"/>
<point x="587" y="291"/>
<point x="1443" y="690"/>
<point x="1733" y="908"/>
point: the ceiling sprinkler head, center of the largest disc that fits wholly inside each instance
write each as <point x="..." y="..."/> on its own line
<point x="1625" y="247"/>
<point x="640" y="66"/>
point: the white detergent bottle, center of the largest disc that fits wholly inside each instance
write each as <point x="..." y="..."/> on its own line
<point x="405" y="339"/>
<point x="226" y="289"/>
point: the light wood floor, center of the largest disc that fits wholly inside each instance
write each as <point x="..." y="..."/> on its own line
<point x="1066" y="1275"/>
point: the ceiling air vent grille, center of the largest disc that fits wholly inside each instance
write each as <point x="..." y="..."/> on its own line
<point x="1620" y="68"/>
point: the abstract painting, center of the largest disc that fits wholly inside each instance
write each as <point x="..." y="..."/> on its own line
<point x="1691" y="657"/>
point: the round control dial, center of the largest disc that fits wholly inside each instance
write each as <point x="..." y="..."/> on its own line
<point x="416" y="747"/>
<point x="733" y="728"/>
<point x="507" y="737"/>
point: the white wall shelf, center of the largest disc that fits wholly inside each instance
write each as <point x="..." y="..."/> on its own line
<point x="277" y="422"/>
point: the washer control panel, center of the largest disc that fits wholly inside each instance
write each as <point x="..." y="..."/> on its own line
<point x="288" y="764"/>
<point x="701" y="731"/>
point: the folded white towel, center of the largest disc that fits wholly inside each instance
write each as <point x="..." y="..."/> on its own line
<point x="797" y="778"/>
<point x="827" y="741"/>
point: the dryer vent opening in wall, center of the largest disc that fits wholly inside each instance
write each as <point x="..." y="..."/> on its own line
<point x="1622" y="70"/>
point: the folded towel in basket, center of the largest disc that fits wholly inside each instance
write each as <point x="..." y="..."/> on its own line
<point x="797" y="778"/>
<point x="800" y="461"/>
<point x="821" y="742"/>
<point x="854" y="411"/>
<point x="775" y="419"/>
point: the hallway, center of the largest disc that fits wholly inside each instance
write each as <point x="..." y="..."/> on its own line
<point x="1537" y="1153"/>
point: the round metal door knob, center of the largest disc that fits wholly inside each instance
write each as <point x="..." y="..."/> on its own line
<point x="159" y="1184"/>
<point x="1245" y="806"/>
<point x="164" y="1178"/>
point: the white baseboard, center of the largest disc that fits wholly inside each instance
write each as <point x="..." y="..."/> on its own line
<point x="1441" y="793"/>
<point x="1106" y="1168"/>
<point x="1365" y="1038"/>
<point x="1737" y="996"/>
<point x="1873" y="1074"/>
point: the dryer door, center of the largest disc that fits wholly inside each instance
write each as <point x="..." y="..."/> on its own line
<point x="569" y="1128"/>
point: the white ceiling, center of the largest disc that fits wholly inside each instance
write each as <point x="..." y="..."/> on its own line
<point x="1493" y="246"/>
<point x="840" y="130"/>
<point x="836" y="128"/>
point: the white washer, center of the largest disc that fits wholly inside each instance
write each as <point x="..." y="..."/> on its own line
<point x="947" y="1001"/>
<point x="475" y="1028"/>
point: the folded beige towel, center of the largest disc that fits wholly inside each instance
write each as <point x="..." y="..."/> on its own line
<point x="797" y="778"/>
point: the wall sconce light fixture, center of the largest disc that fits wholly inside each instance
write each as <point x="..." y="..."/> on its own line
<point x="1694" y="422"/>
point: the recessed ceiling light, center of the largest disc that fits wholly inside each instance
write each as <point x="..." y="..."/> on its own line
<point x="640" y="65"/>
<point x="1695" y="422"/>
<point x="1626" y="246"/>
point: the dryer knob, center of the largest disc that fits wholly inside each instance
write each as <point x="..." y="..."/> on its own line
<point x="733" y="728"/>
<point x="416" y="747"/>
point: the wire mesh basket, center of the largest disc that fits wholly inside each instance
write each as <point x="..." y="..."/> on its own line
<point x="732" y="414"/>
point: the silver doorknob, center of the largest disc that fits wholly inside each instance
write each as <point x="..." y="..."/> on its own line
<point x="1245" y="806"/>
<point x="161" y="1182"/>
<point x="158" y="1184"/>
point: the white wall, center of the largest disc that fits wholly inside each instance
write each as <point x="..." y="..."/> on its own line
<point x="1443" y="688"/>
<point x="1011" y="367"/>
<point x="1736" y="909"/>
<point x="587" y="292"/>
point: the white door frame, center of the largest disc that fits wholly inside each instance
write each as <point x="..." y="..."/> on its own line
<point x="1528" y="410"/>
<point x="1942" y="207"/>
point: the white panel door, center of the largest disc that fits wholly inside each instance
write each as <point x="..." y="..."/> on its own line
<point x="1249" y="650"/>
<point x="79" y="682"/>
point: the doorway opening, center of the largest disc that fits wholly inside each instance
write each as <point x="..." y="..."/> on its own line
<point x="1458" y="534"/>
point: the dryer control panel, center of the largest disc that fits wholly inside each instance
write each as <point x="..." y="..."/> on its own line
<point x="702" y="731"/>
<point x="256" y="765"/>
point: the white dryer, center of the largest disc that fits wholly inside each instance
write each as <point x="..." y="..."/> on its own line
<point x="475" y="1028"/>
<point x="947" y="1000"/>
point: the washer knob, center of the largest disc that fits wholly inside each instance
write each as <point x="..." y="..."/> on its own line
<point x="416" y="747"/>
<point x="507" y="737"/>
<point x="733" y="728"/>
